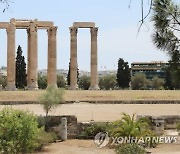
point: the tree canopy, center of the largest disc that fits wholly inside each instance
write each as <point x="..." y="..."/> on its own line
<point x="166" y="19"/>
<point x="6" y="4"/>
<point x="107" y="82"/>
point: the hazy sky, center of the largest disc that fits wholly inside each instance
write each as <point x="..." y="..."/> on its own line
<point x="117" y="24"/>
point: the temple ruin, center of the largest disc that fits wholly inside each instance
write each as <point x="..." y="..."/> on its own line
<point x="32" y="73"/>
<point x="32" y="57"/>
<point x="73" y="54"/>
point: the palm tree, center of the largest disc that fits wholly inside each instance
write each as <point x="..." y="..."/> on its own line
<point x="129" y="127"/>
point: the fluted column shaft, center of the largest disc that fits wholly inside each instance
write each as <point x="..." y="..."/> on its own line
<point x="28" y="57"/>
<point x="32" y="57"/>
<point x="52" y="62"/>
<point x="94" y="57"/>
<point x="11" y="65"/>
<point x="73" y="59"/>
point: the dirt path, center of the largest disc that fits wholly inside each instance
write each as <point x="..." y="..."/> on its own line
<point x="75" y="147"/>
<point x="166" y="149"/>
<point x="104" y="112"/>
<point x="88" y="147"/>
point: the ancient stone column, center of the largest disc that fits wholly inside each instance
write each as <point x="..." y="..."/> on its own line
<point x="32" y="57"/>
<point x="28" y="57"/>
<point x="94" y="73"/>
<point x="11" y="66"/>
<point x="52" y="68"/>
<point x="73" y="59"/>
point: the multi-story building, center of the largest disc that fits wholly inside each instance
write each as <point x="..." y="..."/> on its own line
<point x="150" y="69"/>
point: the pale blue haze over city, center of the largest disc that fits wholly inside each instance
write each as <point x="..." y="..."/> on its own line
<point x="117" y="37"/>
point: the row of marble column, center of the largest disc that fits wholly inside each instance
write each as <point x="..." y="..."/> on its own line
<point x="32" y="73"/>
<point x="73" y="59"/>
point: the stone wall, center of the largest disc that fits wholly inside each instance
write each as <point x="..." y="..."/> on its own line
<point x="74" y="128"/>
<point x="170" y="121"/>
<point x="99" y="102"/>
<point x="54" y="124"/>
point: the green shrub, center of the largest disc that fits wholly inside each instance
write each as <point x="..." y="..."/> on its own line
<point x="44" y="138"/>
<point x="178" y="126"/>
<point x="130" y="149"/>
<point x="157" y="83"/>
<point x="3" y="81"/>
<point x="42" y="81"/>
<point x="61" y="82"/>
<point x="18" y="132"/>
<point x="93" y="129"/>
<point x="139" y="82"/>
<point x="107" y="82"/>
<point x="84" y="82"/>
<point x="41" y="121"/>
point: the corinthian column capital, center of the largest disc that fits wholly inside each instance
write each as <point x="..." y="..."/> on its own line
<point x="11" y="28"/>
<point x="52" y="30"/>
<point x="94" y="31"/>
<point x="32" y="27"/>
<point x="73" y="31"/>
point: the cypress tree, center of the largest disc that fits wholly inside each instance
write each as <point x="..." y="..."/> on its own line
<point x="68" y="75"/>
<point x="21" y="76"/>
<point x="123" y="74"/>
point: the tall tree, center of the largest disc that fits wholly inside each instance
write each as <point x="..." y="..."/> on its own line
<point x="166" y="18"/>
<point x="61" y="82"/>
<point x="42" y="81"/>
<point x="3" y="81"/>
<point x="107" y="82"/>
<point x="68" y="75"/>
<point x="84" y="82"/>
<point x="168" y="82"/>
<point x="174" y="68"/>
<point x="157" y="83"/>
<point x="6" y="4"/>
<point x="21" y="76"/>
<point x="123" y="74"/>
<point x="139" y="82"/>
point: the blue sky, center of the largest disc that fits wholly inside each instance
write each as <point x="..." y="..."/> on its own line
<point x="117" y="24"/>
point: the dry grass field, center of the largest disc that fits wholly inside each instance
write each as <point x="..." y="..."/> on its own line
<point x="86" y="112"/>
<point x="81" y="95"/>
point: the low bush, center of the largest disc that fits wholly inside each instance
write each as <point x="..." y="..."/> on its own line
<point x="130" y="149"/>
<point x="44" y="138"/>
<point x="3" y="81"/>
<point x="107" y="82"/>
<point x="93" y="129"/>
<point x="18" y="132"/>
<point x="178" y="127"/>
<point x="61" y="82"/>
<point x="84" y="82"/>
